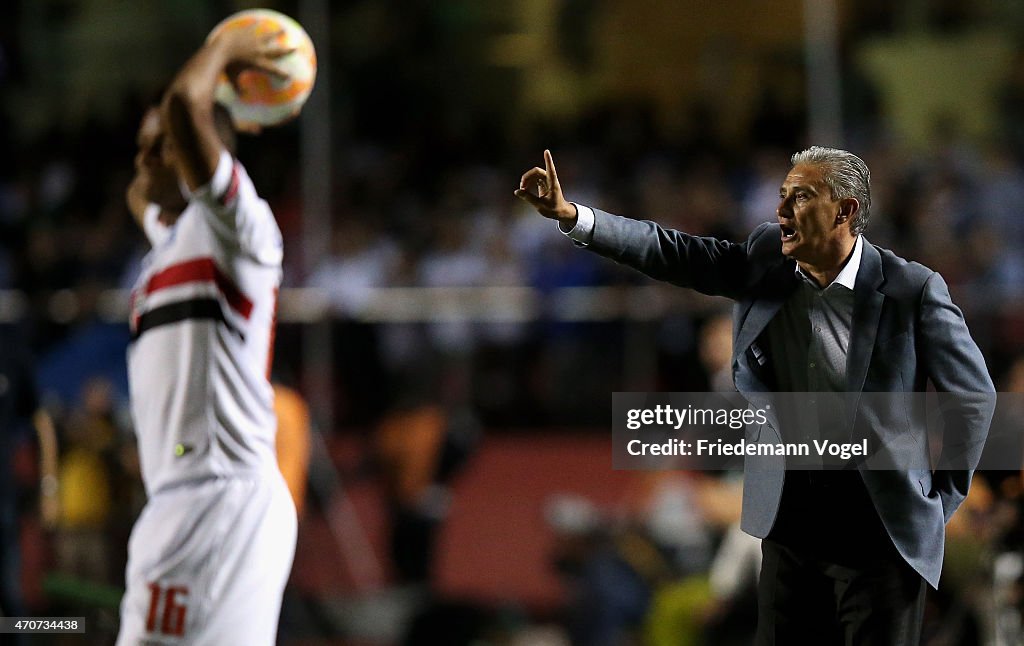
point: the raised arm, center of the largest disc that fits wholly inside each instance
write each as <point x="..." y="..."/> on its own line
<point x="708" y="265"/>
<point x="187" y="109"/>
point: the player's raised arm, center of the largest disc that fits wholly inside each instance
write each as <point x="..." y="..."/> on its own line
<point x="539" y="187"/>
<point x="188" y="105"/>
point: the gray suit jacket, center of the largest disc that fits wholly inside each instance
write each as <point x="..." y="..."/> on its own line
<point x="906" y="332"/>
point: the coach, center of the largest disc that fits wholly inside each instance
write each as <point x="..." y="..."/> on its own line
<point x="820" y="309"/>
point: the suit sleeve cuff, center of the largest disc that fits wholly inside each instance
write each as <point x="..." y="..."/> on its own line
<point x="583" y="232"/>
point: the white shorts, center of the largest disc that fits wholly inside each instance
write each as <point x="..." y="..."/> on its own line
<point x="208" y="562"/>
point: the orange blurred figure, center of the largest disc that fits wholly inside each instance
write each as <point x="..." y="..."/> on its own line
<point x="292" y="441"/>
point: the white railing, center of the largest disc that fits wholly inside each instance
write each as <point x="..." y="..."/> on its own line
<point x="416" y="304"/>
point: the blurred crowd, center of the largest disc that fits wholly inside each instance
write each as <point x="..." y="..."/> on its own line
<point x="422" y="198"/>
<point x="400" y="221"/>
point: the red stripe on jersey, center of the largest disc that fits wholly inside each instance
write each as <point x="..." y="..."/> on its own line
<point x="232" y="189"/>
<point x="273" y="336"/>
<point x="201" y="270"/>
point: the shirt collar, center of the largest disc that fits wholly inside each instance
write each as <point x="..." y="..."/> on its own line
<point x="848" y="276"/>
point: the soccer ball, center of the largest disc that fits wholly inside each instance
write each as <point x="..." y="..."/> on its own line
<point x="263" y="99"/>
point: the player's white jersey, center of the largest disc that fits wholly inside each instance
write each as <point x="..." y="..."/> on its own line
<point x="202" y="322"/>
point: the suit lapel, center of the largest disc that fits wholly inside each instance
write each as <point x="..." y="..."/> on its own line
<point x="778" y="285"/>
<point x="867" y="311"/>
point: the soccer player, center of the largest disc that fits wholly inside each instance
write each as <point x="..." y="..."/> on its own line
<point x="210" y="554"/>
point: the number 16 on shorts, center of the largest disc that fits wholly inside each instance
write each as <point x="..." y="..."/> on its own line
<point x="167" y="609"/>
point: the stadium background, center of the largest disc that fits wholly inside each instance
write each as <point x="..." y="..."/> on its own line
<point x="457" y="355"/>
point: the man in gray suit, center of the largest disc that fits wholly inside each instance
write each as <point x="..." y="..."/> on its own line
<point x="847" y="553"/>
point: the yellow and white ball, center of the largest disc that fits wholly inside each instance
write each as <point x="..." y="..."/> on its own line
<point x="264" y="99"/>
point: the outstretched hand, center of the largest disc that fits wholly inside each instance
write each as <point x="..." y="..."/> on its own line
<point x="539" y="188"/>
<point x="252" y="48"/>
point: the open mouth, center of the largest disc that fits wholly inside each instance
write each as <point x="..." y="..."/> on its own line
<point x="788" y="233"/>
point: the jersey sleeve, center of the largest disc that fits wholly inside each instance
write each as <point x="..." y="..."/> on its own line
<point x="231" y="200"/>
<point x="155" y="230"/>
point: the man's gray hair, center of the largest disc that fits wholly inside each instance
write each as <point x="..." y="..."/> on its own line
<point x="846" y="175"/>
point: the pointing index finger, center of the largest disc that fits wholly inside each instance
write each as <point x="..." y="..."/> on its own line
<point x="549" y="165"/>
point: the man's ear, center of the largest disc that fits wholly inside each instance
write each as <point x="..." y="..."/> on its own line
<point x="848" y="207"/>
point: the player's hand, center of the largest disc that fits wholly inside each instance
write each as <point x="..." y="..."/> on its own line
<point x="539" y="188"/>
<point x="250" y="49"/>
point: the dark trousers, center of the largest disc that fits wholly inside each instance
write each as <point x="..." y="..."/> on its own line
<point x="806" y="601"/>
<point x="831" y="575"/>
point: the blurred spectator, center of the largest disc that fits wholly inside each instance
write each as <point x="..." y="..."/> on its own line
<point x="360" y="260"/>
<point x="732" y="616"/>
<point x="638" y="576"/>
<point x="608" y="598"/>
<point x="452" y="261"/>
<point x="292" y="441"/>
<point x="92" y="491"/>
<point x="733" y="574"/>
<point x="20" y="410"/>
<point x="420" y="444"/>
<point x="1005" y="522"/>
<point x="715" y="351"/>
<point x="761" y="195"/>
